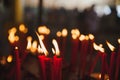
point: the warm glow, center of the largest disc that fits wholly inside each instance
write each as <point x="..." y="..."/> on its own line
<point x="112" y="48"/>
<point x="58" y="34"/>
<point x="42" y="45"/>
<point x="64" y="32"/>
<point x="22" y="28"/>
<point x="98" y="47"/>
<point x="75" y="33"/>
<point x="119" y="41"/>
<point x="57" y="51"/>
<point x="3" y="61"/>
<point x="53" y="50"/>
<point x="40" y="49"/>
<point x="16" y="48"/>
<point x="99" y="76"/>
<point x="91" y="36"/>
<point x="11" y="37"/>
<point x="86" y="37"/>
<point x="43" y="30"/>
<point x="82" y="37"/>
<point x="34" y="46"/>
<point x="29" y="42"/>
<point x="42" y="37"/>
<point x="9" y="58"/>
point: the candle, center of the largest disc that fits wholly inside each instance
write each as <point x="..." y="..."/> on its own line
<point x="112" y="60"/>
<point x="117" y="62"/>
<point x="18" y="66"/>
<point x="64" y="34"/>
<point x="57" y="62"/>
<point x="83" y="54"/>
<point x="75" y="45"/>
<point x="45" y="62"/>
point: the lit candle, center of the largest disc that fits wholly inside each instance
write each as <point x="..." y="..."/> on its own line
<point x="45" y="62"/>
<point x="18" y="66"/>
<point x="75" y="46"/>
<point x="59" y="34"/>
<point x="117" y="62"/>
<point x="112" y="61"/>
<point x="57" y="62"/>
<point x="83" y="53"/>
<point x="64" y="34"/>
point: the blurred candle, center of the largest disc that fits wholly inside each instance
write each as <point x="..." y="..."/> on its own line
<point x="57" y="62"/>
<point x="45" y="62"/>
<point x="18" y="66"/>
<point x="75" y="45"/>
<point x="112" y="61"/>
<point x="117" y="62"/>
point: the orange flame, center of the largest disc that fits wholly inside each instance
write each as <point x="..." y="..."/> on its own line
<point x="75" y="33"/>
<point x="91" y="36"/>
<point x="34" y="46"/>
<point x="64" y="32"/>
<point x="40" y="49"/>
<point x="29" y="42"/>
<point x="57" y="51"/>
<point x="42" y="45"/>
<point x="23" y="29"/>
<point x="43" y="30"/>
<point x="9" y="58"/>
<point x="112" y="48"/>
<point x="58" y="34"/>
<point x="82" y="37"/>
<point x="98" y="47"/>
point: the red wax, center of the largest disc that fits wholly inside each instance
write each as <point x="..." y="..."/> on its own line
<point x="112" y="61"/>
<point x="83" y="56"/>
<point x="57" y="68"/>
<point x="42" y="67"/>
<point x="117" y="65"/>
<point x="18" y="67"/>
<point x="103" y="55"/>
<point x="75" y="46"/>
<point x="94" y="63"/>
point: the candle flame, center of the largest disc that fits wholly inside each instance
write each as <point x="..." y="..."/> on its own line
<point x="57" y="51"/>
<point x="53" y="50"/>
<point x="98" y="47"/>
<point x="86" y="37"/>
<point x="82" y="37"/>
<point x="43" y="30"/>
<point x="64" y="32"/>
<point x="119" y="41"/>
<point x="42" y="45"/>
<point x="29" y="42"/>
<point x="34" y="46"/>
<point x="12" y="37"/>
<point x="42" y="37"/>
<point x="16" y="48"/>
<point x="40" y="49"/>
<point x="23" y="29"/>
<point x="58" y="34"/>
<point x="112" y="48"/>
<point x="91" y="36"/>
<point x="9" y="58"/>
<point x="75" y="33"/>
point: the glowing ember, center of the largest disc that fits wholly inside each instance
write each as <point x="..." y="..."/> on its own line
<point x="112" y="48"/>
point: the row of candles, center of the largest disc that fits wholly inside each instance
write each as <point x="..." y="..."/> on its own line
<point x="51" y="68"/>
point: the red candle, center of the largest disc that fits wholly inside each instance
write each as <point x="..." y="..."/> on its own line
<point x="74" y="54"/>
<point x="117" y="62"/>
<point x="18" y="67"/>
<point x="57" y="62"/>
<point x="57" y="68"/>
<point x="112" y="60"/>
<point x="103" y="55"/>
